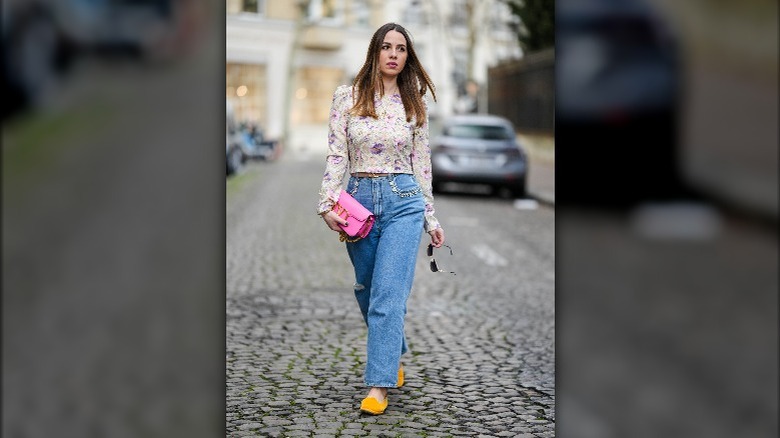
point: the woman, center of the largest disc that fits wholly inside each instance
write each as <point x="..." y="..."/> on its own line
<point x="379" y="133"/>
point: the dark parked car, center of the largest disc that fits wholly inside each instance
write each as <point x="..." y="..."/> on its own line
<point x="479" y="149"/>
<point x="234" y="152"/>
<point x="42" y="38"/>
<point x="615" y="62"/>
<point x="618" y="82"/>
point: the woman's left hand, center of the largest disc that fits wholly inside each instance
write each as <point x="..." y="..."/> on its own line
<point x="437" y="237"/>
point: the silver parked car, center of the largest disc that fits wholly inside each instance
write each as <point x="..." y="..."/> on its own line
<point x="479" y="149"/>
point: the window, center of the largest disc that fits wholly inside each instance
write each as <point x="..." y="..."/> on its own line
<point x="313" y="93"/>
<point x="245" y="6"/>
<point x="360" y="13"/>
<point x="250" y="6"/>
<point x="325" y="10"/>
<point x="415" y="14"/>
<point x="459" y="17"/>
<point x="246" y="92"/>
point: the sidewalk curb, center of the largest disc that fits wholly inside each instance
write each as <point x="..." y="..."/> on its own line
<point x="542" y="198"/>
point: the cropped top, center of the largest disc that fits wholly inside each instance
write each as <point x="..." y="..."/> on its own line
<point x="387" y="144"/>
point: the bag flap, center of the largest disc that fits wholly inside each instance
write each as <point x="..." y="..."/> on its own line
<point x="353" y="207"/>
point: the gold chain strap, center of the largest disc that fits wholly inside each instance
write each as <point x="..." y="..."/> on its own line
<point x="344" y="237"/>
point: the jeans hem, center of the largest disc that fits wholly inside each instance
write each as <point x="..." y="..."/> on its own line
<point x="382" y="385"/>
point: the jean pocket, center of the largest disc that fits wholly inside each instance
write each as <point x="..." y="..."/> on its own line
<point x="405" y="186"/>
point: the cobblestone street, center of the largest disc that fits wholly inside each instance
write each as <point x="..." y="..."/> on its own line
<point x="482" y="356"/>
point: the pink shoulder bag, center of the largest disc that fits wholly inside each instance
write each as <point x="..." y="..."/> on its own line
<point x="359" y="219"/>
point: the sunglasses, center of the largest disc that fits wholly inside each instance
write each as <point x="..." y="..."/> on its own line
<point x="434" y="266"/>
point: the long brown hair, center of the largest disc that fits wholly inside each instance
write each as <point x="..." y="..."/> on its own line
<point x="413" y="81"/>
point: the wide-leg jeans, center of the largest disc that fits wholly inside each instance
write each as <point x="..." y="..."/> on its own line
<point x="384" y="263"/>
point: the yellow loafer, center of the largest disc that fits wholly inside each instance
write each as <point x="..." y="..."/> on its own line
<point x="372" y="406"/>
<point x="400" y="377"/>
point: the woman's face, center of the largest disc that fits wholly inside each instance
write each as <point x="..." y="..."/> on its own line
<point x="392" y="54"/>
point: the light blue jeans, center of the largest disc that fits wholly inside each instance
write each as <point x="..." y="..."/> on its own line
<point x="384" y="263"/>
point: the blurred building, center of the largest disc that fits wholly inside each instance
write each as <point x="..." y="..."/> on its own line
<point x="457" y="41"/>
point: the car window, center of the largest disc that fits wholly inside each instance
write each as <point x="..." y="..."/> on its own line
<point x="479" y="131"/>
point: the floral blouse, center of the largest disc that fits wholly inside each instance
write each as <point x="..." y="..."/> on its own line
<point x="388" y="144"/>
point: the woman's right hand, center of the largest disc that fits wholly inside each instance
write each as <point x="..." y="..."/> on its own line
<point x="333" y="220"/>
<point x="437" y="237"/>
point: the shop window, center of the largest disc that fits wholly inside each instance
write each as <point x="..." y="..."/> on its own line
<point x="251" y="6"/>
<point x="246" y="90"/>
<point x="313" y="93"/>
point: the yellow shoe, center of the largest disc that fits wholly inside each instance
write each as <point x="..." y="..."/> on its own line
<point x="400" y="377"/>
<point x="372" y="406"/>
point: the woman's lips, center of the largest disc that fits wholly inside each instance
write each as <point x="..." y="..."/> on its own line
<point x="392" y="64"/>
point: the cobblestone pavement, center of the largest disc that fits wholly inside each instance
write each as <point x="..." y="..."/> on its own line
<point x="482" y="341"/>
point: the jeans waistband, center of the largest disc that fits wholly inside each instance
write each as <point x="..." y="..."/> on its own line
<point x="372" y="175"/>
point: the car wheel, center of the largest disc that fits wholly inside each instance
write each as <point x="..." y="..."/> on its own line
<point x="502" y="192"/>
<point x="518" y="191"/>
